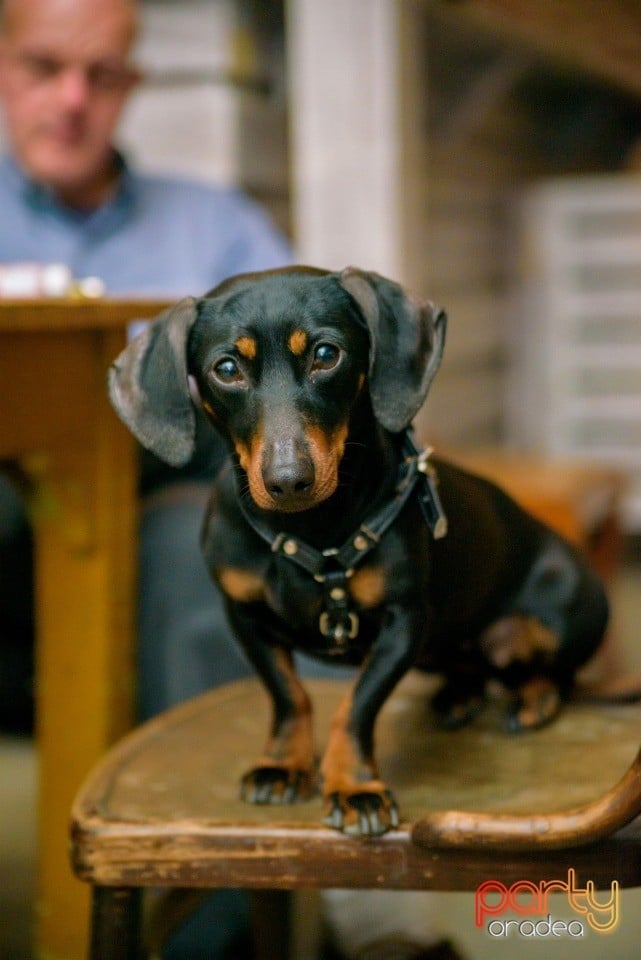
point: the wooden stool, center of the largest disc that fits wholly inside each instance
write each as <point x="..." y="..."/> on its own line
<point x="162" y="808"/>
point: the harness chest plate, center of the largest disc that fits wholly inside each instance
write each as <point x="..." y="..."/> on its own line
<point x="338" y="622"/>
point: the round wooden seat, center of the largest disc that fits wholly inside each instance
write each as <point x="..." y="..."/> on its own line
<point x="162" y="808"/>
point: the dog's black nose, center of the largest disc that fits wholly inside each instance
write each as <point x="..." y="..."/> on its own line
<point x="289" y="480"/>
<point x="288" y="474"/>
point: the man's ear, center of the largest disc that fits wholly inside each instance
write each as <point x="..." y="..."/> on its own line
<point x="149" y="385"/>
<point x="407" y="337"/>
<point x="133" y="78"/>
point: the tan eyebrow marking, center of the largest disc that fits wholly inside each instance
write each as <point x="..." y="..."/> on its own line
<point x="246" y="347"/>
<point x="297" y="342"/>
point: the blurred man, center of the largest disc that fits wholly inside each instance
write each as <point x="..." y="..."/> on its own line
<point x="68" y="196"/>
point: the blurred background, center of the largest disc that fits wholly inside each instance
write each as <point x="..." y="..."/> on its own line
<point x="487" y="154"/>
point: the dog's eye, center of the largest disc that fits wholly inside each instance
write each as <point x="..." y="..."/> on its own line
<point x="326" y="356"/>
<point x="227" y="371"/>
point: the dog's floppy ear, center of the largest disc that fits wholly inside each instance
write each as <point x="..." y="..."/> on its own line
<point x="149" y="385"/>
<point x="407" y="338"/>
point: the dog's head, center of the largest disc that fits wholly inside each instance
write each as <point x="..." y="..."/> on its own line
<point x="279" y="359"/>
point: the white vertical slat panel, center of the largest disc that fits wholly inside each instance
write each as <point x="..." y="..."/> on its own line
<point x="189" y="128"/>
<point x="343" y="82"/>
<point x="579" y="343"/>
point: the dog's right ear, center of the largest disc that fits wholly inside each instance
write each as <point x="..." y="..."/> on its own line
<point x="407" y="337"/>
<point x="149" y="386"/>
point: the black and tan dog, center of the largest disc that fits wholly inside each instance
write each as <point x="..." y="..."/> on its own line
<point x="330" y="533"/>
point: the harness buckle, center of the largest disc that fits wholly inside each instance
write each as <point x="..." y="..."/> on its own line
<point x="344" y="629"/>
<point x="422" y="464"/>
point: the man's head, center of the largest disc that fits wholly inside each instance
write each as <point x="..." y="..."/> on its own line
<point x="64" y="79"/>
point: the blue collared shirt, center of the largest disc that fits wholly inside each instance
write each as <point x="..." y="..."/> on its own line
<point x="155" y="236"/>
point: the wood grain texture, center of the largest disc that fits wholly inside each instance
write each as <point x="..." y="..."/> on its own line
<point x="163" y="807"/>
<point x="56" y="420"/>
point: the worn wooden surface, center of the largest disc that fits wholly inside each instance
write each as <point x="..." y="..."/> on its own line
<point x="55" y="420"/>
<point x="602" y="39"/>
<point x="163" y="807"/>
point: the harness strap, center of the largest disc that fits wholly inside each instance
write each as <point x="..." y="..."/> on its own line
<point x="334" y="566"/>
<point x="428" y="498"/>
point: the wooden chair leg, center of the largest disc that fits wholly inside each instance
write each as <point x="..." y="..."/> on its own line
<point x="115" y="924"/>
<point x="271" y="915"/>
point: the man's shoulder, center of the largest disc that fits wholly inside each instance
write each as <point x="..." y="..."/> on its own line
<point x="169" y="190"/>
<point x="228" y="217"/>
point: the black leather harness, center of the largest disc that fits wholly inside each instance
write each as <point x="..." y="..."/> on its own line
<point x="332" y="568"/>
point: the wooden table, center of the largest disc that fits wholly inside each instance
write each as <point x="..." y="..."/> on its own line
<point x="56" y="421"/>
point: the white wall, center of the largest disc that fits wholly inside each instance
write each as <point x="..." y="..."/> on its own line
<point x="188" y="126"/>
<point x="344" y="128"/>
<point x="205" y="111"/>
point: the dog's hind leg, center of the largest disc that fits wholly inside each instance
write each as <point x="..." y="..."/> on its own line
<point x="521" y="652"/>
<point x="461" y="697"/>
<point x="536" y="702"/>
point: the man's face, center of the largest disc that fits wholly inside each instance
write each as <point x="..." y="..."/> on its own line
<point x="64" y="79"/>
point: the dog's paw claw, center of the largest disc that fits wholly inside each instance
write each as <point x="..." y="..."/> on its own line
<point x="362" y="814"/>
<point x="276" y="785"/>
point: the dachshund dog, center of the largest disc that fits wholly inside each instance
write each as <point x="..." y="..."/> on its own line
<point x="329" y="532"/>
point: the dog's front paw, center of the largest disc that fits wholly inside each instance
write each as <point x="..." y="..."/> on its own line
<point x="363" y="813"/>
<point x="275" y="784"/>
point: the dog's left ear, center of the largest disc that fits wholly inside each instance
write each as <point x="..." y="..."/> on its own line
<point x="407" y="339"/>
<point x="149" y="386"/>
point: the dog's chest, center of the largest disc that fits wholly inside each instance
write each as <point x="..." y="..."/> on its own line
<point x="293" y="595"/>
<point x="301" y="600"/>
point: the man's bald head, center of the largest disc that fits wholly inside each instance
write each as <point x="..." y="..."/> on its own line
<point x="64" y="79"/>
<point x="14" y="12"/>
